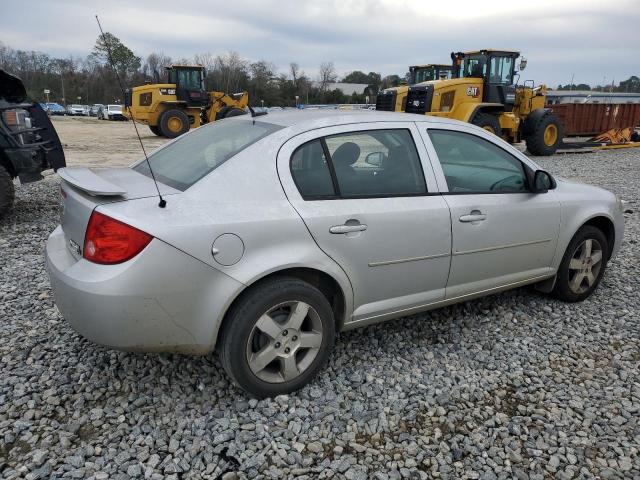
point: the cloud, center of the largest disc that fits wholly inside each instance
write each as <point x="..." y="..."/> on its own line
<point x="586" y="39"/>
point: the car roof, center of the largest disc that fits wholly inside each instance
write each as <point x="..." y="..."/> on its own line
<point x="310" y="119"/>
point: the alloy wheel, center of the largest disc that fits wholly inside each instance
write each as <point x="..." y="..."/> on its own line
<point x="284" y="342"/>
<point x="585" y="266"/>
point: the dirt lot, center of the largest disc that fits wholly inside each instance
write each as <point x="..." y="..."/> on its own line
<point x="88" y="141"/>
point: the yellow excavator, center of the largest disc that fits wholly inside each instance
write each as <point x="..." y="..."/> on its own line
<point x="395" y="98"/>
<point x="172" y="108"/>
<point x="484" y="93"/>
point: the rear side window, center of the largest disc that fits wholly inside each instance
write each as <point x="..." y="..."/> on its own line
<point x="474" y="165"/>
<point x="374" y="163"/>
<point x="186" y="160"/>
<point x="310" y="171"/>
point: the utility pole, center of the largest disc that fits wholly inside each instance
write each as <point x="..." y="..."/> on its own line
<point x="64" y="101"/>
<point x="571" y="84"/>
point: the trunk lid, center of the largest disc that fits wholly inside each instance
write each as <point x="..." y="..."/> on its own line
<point x="83" y="189"/>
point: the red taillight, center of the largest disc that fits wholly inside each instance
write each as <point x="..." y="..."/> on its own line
<point x="109" y="241"/>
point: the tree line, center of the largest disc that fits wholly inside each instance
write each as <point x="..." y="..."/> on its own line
<point x="92" y="79"/>
<point x="631" y="85"/>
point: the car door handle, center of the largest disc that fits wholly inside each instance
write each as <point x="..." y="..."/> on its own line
<point x="358" y="227"/>
<point x="474" y="216"/>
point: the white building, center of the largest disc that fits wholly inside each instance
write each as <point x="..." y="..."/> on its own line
<point x="588" y="96"/>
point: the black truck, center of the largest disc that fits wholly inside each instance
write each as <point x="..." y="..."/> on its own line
<point x="29" y="143"/>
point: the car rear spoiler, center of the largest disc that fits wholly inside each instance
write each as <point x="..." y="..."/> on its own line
<point x="90" y="182"/>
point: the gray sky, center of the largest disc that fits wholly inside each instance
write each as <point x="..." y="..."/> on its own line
<point x="560" y="38"/>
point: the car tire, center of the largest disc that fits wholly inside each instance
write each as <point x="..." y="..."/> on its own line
<point x="301" y="328"/>
<point x="487" y="122"/>
<point x="7" y="190"/>
<point x="582" y="267"/>
<point x="155" y="130"/>
<point x="173" y="123"/>
<point x="545" y="136"/>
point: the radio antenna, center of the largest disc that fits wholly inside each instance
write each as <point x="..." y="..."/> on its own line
<point x="163" y="202"/>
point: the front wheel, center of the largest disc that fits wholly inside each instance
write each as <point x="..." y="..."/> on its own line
<point x="155" y="130"/>
<point x="583" y="265"/>
<point x="487" y="122"/>
<point x="277" y="337"/>
<point x="234" y="112"/>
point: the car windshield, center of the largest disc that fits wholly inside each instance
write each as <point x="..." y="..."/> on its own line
<point x="185" y="161"/>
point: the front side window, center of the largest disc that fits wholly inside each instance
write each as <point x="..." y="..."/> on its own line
<point x="189" y="158"/>
<point x="501" y="71"/>
<point x="374" y="163"/>
<point x="474" y="165"/>
<point x="189" y="79"/>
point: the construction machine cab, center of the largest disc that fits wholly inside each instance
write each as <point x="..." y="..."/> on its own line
<point x="189" y="82"/>
<point x="430" y="72"/>
<point x="495" y="67"/>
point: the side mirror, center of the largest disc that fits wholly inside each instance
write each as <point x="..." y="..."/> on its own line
<point x="375" y="159"/>
<point x="523" y="64"/>
<point x="542" y="182"/>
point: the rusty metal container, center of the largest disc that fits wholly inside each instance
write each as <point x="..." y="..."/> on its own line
<point x="587" y="119"/>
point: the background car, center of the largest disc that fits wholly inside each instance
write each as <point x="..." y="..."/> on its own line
<point x="55" y="108"/>
<point x="111" y="112"/>
<point x="276" y="232"/>
<point x="95" y="108"/>
<point x="76" y="110"/>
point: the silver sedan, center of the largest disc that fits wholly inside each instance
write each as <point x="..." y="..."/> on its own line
<point x="281" y="230"/>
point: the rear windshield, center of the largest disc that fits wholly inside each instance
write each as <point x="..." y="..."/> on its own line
<point x="186" y="160"/>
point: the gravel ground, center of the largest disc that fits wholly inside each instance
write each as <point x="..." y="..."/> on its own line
<point x="515" y="385"/>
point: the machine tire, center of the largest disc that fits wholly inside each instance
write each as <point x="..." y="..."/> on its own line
<point x="238" y="336"/>
<point x="173" y="123"/>
<point x="234" y="112"/>
<point x="7" y="191"/>
<point x="545" y="135"/>
<point x="562" y="289"/>
<point x="487" y="122"/>
<point x="155" y="130"/>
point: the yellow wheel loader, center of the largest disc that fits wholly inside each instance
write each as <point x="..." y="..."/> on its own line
<point x="485" y="94"/>
<point x="171" y="109"/>
<point x="394" y="99"/>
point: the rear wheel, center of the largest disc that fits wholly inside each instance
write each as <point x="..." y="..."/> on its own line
<point x="173" y="123"/>
<point x="583" y="265"/>
<point x="155" y="130"/>
<point x="545" y="136"/>
<point x="277" y="337"/>
<point x="7" y="191"/>
<point x="487" y="122"/>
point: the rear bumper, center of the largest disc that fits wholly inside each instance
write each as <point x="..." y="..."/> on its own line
<point x="161" y="301"/>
